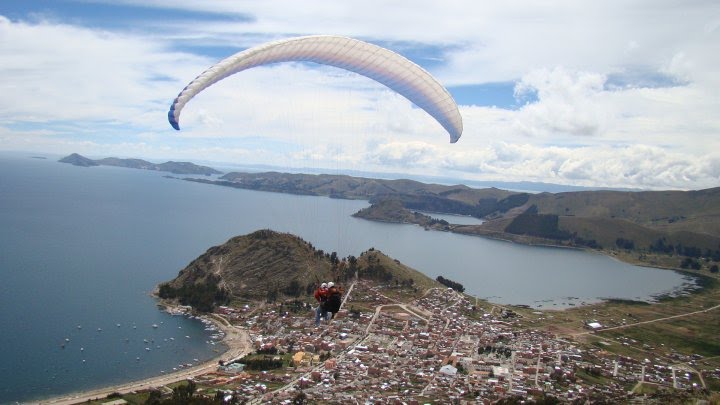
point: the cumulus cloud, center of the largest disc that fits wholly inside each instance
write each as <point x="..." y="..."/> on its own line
<point x="615" y="95"/>
<point x="58" y="72"/>
<point x="567" y="103"/>
<point x="634" y="166"/>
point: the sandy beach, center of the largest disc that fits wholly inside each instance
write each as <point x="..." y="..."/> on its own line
<point x="236" y="339"/>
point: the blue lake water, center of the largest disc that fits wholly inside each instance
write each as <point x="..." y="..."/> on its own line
<point x="85" y="247"/>
<point x="455" y="219"/>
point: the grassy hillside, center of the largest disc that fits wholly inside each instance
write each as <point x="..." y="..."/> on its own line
<point x="606" y="231"/>
<point x="679" y="223"/>
<point x="669" y="211"/>
<point x="262" y="265"/>
<point x="268" y="265"/>
<point x="373" y="264"/>
<point x="394" y="211"/>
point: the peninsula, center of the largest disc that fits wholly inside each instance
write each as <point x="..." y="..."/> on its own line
<point x="668" y="229"/>
<point x="170" y="166"/>
<point x="402" y="337"/>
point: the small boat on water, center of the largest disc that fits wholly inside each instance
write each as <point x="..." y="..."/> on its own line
<point x="154" y="325"/>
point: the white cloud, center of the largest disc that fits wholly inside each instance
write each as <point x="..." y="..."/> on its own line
<point x="567" y="103"/>
<point x="66" y="86"/>
<point x="630" y="166"/>
<point x="66" y="73"/>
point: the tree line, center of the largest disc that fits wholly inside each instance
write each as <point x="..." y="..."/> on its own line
<point x="203" y="296"/>
<point x="692" y="255"/>
<point x="449" y="283"/>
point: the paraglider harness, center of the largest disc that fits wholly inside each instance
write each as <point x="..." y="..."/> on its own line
<point x="323" y="301"/>
<point x="334" y="300"/>
<point x="321" y="312"/>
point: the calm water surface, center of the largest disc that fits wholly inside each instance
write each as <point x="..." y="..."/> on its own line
<point x="85" y="246"/>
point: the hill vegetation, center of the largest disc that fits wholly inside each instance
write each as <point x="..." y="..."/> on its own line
<point x="392" y="210"/>
<point x="271" y="266"/>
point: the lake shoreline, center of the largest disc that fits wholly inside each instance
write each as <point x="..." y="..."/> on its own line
<point x="235" y="339"/>
<point x="119" y="239"/>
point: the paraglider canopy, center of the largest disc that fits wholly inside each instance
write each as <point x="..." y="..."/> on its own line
<point x="378" y="63"/>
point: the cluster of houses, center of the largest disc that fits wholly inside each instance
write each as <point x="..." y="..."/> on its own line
<point x="440" y="347"/>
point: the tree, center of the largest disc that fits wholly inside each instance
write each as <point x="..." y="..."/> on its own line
<point x="294" y="289"/>
<point x="183" y="393"/>
<point x="449" y="283"/>
<point x="300" y="399"/>
<point x="690" y="263"/>
<point x="353" y="262"/>
<point x="627" y="244"/>
<point x="153" y="398"/>
<point x="659" y="246"/>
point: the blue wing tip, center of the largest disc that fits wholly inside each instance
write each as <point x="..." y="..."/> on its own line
<point x="172" y="121"/>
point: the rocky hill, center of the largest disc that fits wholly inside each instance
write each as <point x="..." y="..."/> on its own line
<point x="268" y="265"/>
<point x="78" y="160"/>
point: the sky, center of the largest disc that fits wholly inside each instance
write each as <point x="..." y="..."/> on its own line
<point x="615" y="93"/>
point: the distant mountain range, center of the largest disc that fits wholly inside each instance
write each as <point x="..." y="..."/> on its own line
<point x="661" y="228"/>
<point x="171" y="167"/>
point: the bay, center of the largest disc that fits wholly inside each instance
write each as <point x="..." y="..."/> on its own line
<point x="86" y="246"/>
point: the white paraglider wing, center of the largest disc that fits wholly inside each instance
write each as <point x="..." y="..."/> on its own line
<point x="380" y="64"/>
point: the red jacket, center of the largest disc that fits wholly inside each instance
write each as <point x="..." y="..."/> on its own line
<point x="321" y="294"/>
